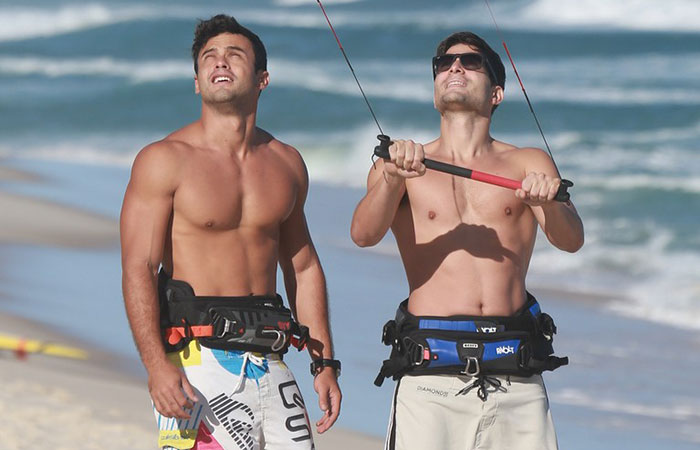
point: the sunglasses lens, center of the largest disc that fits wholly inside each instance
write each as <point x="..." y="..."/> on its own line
<point x="444" y="62"/>
<point x="471" y="61"/>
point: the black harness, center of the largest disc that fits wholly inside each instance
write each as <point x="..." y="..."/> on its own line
<point x="476" y="346"/>
<point x="252" y="323"/>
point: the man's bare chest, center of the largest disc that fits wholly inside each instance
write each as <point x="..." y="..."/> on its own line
<point x="441" y="201"/>
<point x="224" y="199"/>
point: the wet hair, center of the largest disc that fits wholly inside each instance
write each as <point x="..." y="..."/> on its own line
<point x="219" y="24"/>
<point x="471" y="39"/>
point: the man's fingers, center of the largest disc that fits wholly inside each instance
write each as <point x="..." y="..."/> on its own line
<point x="407" y="158"/>
<point x="418" y="158"/>
<point x="323" y="419"/>
<point x="189" y="391"/>
<point x="324" y="424"/>
<point x="526" y="185"/>
<point x="323" y="404"/>
<point x="335" y="407"/>
<point x="159" y="406"/>
<point x="331" y="415"/>
<point x="538" y="188"/>
<point x="554" y="188"/>
<point x="400" y="154"/>
<point x="168" y="408"/>
<point x="163" y="404"/>
<point x="178" y="403"/>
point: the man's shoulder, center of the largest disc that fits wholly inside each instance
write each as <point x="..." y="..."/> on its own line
<point x="166" y="152"/>
<point x="281" y="150"/>
<point x="526" y="158"/>
<point x="161" y="161"/>
<point x="171" y="149"/>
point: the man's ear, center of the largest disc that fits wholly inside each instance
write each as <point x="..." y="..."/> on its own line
<point x="263" y="80"/>
<point x="196" y="85"/>
<point x="497" y="96"/>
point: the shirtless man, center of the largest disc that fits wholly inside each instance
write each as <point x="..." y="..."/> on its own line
<point x="466" y="247"/>
<point x="219" y="203"/>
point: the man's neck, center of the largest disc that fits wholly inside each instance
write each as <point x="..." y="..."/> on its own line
<point x="464" y="135"/>
<point x="230" y="130"/>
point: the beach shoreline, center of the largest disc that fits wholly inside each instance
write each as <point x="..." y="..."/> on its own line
<point x="608" y="394"/>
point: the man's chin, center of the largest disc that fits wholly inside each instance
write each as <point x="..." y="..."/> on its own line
<point x="220" y="97"/>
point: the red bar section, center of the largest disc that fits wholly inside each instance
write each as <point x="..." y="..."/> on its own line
<point x="495" y="179"/>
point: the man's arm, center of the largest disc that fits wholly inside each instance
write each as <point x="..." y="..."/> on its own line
<point x="306" y="290"/>
<point x="386" y="185"/>
<point x="146" y="211"/>
<point x="559" y="221"/>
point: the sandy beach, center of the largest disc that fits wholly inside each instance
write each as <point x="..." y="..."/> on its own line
<point x="94" y="403"/>
<point x="62" y="403"/>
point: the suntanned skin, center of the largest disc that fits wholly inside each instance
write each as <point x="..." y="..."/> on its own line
<point x="219" y="203"/>
<point x="465" y="245"/>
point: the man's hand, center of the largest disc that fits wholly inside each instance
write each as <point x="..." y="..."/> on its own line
<point x="406" y="159"/>
<point x="538" y="189"/>
<point x="329" y="396"/>
<point x="166" y="384"/>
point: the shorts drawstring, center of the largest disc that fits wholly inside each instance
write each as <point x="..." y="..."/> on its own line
<point x="248" y="357"/>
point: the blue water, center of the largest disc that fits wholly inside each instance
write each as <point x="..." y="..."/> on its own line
<point x="616" y="86"/>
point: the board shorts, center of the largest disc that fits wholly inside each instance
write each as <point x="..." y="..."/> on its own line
<point x="247" y="401"/>
<point x="441" y="412"/>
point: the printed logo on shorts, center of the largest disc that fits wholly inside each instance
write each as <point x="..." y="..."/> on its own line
<point x="433" y="391"/>
<point x="297" y="423"/>
<point x="229" y="414"/>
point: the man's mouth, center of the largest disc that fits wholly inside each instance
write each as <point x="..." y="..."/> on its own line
<point x="456" y="83"/>
<point x="222" y="79"/>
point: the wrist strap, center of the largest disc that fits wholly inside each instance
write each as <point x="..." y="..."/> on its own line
<point x="318" y="364"/>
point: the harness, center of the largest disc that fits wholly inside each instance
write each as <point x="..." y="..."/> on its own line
<point x="252" y="323"/>
<point x="476" y="346"/>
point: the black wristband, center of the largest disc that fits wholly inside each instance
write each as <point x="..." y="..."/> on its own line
<point x="318" y="364"/>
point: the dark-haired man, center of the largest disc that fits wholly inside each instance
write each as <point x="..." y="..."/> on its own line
<point x="470" y="343"/>
<point x="219" y="204"/>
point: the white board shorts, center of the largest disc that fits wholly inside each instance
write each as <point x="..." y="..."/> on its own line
<point x="429" y="412"/>
<point x="247" y="401"/>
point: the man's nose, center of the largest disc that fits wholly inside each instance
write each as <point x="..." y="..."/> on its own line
<point x="221" y="63"/>
<point x="457" y="66"/>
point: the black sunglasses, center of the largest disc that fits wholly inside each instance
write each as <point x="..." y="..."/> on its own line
<point x="470" y="61"/>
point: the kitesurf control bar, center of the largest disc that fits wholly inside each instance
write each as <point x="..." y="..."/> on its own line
<point x="382" y="151"/>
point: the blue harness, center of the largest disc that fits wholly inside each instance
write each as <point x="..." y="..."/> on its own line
<point x="476" y="346"/>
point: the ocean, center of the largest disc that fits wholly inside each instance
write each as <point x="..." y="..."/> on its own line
<point x="616" y="87"/>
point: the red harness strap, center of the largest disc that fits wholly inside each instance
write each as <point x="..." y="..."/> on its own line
<point x="176" y="334"/>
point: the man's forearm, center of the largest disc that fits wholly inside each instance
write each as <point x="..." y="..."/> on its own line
<point x="563" y="226"/>
<point x="143" y="312"/>
<point x="375" y="212"/>
<point x="312" y="310"/>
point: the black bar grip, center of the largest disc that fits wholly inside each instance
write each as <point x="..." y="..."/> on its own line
<point x="562" y="194"/>
<point x="382" y="150"/>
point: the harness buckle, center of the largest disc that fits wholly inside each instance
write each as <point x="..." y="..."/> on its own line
<point x="280" y="340"/>
<point x="422" y="355"/>
<point x="476" y="370"/>
<point x="415" y="350"/>
<point x="227" y="327"/>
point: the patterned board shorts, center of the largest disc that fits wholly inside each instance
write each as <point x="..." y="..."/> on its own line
<point x="247" y="401"/>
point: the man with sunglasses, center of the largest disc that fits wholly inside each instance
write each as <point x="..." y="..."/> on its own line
<point x="466" y="247"/>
